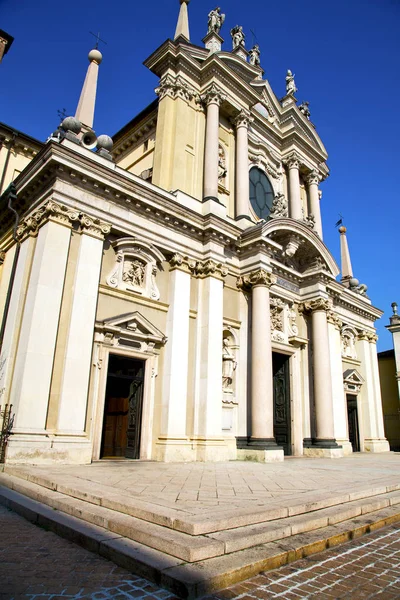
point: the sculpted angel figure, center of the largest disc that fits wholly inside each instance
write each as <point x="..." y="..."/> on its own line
<point x="237" y="36"/>
<point x="255" y="55"/>
<point x="279" y="207"/>
<point x="215" y="20"/>
<point x="290" y="84"/>
<point x="303" y="107"/>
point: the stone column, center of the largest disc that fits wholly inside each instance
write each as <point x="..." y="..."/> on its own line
<point x="293" y="164"/>
<point x="173" y="442"/>
<point x="325" y="443"/>
<point x="212" y="98"/>
<point x="208" y="434"/>
<point x="242" y="122"/>
<point x="379" y="444"/>
<point x="262" y="394"/>
<point x="79" y="342"/>
<point x="313" y="181"/>
<point x="35" y="354"/>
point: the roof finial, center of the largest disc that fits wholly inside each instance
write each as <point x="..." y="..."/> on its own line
<point x="347" y="270"/>
<point x="85" y="111"/>
<point x="182" y="27"/>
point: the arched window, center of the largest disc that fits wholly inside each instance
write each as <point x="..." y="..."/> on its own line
<point x="261" y="193"/>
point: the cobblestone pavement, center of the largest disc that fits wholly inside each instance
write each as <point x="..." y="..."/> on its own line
<point x="368" y="567"/>
<point x="37" y="564"/>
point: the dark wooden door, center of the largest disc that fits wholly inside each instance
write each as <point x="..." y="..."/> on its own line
<point x="282" y="416"/>
<point x="123" y="408"/>
<point x="352" y="416"/>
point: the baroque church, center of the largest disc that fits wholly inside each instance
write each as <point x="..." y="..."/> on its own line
<point x="167" y="294"/>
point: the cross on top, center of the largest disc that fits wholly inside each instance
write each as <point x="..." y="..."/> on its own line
<point x="98" y="39"/>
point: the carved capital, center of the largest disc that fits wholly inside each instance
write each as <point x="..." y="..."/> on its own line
<point x="372" y="338"/>
<point x="243" y="119"/>
<point x="259" y="277"/>
<point x="94" y="226"/>
<point x="314" y="305"/>
<point x="293" y="161"/>
<point x="183" y="263"/>
<point x="312" y="178"/>
<point x="333" y="318"/>
<point x="363" y="336"/>
<point x="211" y="268"/>
<point x="175" y="87"/>
<point x="50" y="211"/>
<point x="213" y="95"/>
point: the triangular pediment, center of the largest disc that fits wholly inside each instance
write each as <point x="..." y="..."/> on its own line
<point x="133" y="326"/>
<point x="352" y="376"/>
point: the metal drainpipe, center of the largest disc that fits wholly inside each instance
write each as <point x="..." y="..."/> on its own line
<point x="13" y="270"/>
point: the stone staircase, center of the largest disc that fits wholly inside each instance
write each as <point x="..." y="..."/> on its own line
<point x="193" y="555"/>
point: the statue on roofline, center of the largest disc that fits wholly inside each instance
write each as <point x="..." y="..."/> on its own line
<point x="215" y="20"/>
<point x="303" y="107"/>
<point x="237" y="37"/>
<point x="291" y="88"/>
<point x="255" y="55"/>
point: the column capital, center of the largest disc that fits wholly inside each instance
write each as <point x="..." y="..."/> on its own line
<point x="51" y="211"/>
<point x="293" y="160"/>
<point x="368" y="336"/>
<point x="243" y="119"/>
<point x="93" y="226"/>
<point x="321" y="304"/>
<point x="334" y="319"/>
<point x="182" y="263"/>
<point x="313" y="178"/>
<point x="211" y="268"/>
<point x="175" y="87"/>
<point x="213" y="95"/>
<point x="256" y="278"/>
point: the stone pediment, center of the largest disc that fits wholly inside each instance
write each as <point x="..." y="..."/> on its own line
<point x="130" y="328"/>
<point x="302" y="249"/>
<point x="352" y="380"/>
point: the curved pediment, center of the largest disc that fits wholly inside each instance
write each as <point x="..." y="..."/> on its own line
<point x="302" y="248"/>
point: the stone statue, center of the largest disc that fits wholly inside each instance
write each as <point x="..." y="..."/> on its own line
<point x="303" y="107"/>
<point x="279" y="207"/>
<point x="215" y="20"/>
<point x="255" y="55"/>
<point x="356" y="286"/>
<point x="222" y="170"/>
<point x="229" y="364"/>
<point x="237" y="37"/>
<point x="291" y="88"/>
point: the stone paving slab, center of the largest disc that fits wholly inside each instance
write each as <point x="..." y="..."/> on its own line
<point x="191" y="497"/>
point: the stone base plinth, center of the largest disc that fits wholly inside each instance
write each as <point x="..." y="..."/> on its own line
<point x="193" y="449"/>
<point x="376" y="445"/>
<point x="47" y="450"/>
<point x="264" y="456"/>
<point x="347" y="447"/>
<point x="319" y="452"/>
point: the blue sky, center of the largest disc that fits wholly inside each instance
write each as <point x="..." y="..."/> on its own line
<point x="345" y="55"/>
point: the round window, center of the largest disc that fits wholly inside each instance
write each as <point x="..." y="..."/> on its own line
<point x="261" y="193"/>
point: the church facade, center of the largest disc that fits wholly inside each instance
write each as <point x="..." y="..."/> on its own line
<point x="169" y="296"/>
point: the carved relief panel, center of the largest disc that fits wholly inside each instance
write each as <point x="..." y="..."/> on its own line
<point x="348" y="337"/>
<point x="283" y="320"/>
<point x="135" y="268"/>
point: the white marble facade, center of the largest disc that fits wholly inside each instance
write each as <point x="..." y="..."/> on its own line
<point x="240" y="338"/>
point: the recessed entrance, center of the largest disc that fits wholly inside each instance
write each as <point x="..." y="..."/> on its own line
<point x="352" y="416"/>
<point x="123" y="408"/>
<point x="282" y="417"/>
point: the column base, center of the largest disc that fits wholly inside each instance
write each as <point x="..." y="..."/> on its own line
<point x="376" y="445"/>
<point x="45" y="449"/>
<point x="175" y="449"/>
<point x="272" y="454"/>
<point x="327" y="444"/>
<point x="213" y="198"/>
<point x="347" y="447"/>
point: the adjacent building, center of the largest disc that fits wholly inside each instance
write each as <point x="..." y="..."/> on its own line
<point x="172" y="297"/>
<point x="389" y="372"/>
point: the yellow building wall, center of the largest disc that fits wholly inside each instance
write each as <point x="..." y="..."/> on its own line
<point x="16" y="163"/>
<point x="390" y="401"/>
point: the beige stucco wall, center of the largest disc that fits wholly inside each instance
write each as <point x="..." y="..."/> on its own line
<point x="390" y="401"/>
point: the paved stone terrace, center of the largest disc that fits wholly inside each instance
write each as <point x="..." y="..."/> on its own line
<point x="36" y="564"/>
<point x="203" y="489"/>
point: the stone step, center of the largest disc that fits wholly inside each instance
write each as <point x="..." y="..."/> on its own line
<point x="171" y="542"/>
<point x="220" y="519"/>
<point x="192" y="580"/>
